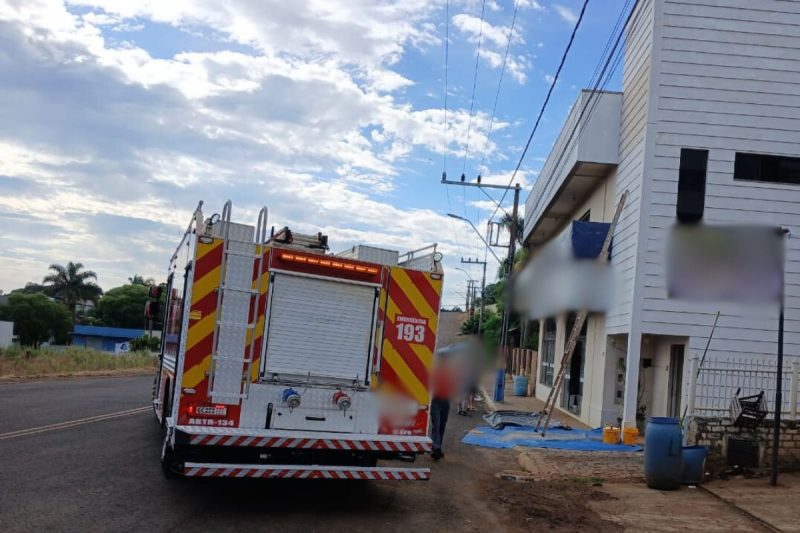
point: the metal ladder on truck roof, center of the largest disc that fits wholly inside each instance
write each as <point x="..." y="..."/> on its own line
<point x="232" y="353"/>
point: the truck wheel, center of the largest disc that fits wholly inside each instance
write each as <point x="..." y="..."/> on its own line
<point x="169" y="460"/>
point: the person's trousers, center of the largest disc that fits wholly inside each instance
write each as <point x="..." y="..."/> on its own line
<point x="439" y="411"/>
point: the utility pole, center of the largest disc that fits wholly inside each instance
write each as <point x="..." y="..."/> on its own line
<point x="471" y="288"/>
<point x="471" y="261"/>
<point x="512" y="250"/>
<point x="499" y="391"/>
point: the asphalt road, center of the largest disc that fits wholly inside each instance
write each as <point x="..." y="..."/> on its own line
<point x="103" y="474"/>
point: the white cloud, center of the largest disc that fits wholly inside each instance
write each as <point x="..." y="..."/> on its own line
<point x="530" y="4"/>
<point x="516" y="66"/>
<point x="108" y="145"/>
<point x="566" y="13"/>
<point x="494" y="43"/>
<point x="495" y="35"/>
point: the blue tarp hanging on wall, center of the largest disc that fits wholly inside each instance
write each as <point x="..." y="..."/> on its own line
<point x="587" y="238"/>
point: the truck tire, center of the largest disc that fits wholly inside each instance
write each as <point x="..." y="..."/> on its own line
<point x="169" y="459"/>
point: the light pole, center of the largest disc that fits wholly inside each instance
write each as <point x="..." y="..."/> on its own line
<point x="451" y="215"/>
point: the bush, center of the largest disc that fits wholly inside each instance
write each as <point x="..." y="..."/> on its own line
<point x="145" y="344"/>
<point x="28" y="362"/>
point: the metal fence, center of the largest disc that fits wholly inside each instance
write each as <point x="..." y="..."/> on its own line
<point x="716" y="382"/>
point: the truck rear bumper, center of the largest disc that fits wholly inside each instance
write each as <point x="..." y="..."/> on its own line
<point x="270" y="438"/>
<point x="303" y="471"/>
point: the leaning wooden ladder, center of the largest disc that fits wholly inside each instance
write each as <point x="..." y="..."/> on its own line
<point x="580" y="319"/>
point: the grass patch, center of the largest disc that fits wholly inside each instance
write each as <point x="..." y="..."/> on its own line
<point x="17" y="362"/>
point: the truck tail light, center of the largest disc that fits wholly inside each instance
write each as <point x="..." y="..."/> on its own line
<point x="207" y="410"/>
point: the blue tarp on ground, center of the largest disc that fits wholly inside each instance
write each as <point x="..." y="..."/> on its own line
<point x="562" y="439"/>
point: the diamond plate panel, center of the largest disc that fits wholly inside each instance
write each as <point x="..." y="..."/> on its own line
<point x="315" y="401"/>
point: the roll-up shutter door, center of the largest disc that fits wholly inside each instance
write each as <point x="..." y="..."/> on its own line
<point x="319" y="328"/>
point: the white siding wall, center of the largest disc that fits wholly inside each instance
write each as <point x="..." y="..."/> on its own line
<point x="727" y="79"/>
<point x="636" y="88"/>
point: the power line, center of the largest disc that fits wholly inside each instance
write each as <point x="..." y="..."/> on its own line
<point x="499" y="84"/>
<point x="472" y="104"/>
<point x="446" y="60"/>
<point x="592" y="100"/>
<point x="474" y="83"/>
<point x="544" y="104"/>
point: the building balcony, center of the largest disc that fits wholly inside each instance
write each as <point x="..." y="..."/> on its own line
<point x="580" y="159"/>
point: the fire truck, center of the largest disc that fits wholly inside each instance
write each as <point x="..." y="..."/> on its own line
<point x="282" y="360"/>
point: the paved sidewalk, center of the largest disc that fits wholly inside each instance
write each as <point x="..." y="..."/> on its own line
<point x="776" y="507"/>
<point x="525" y="403"/>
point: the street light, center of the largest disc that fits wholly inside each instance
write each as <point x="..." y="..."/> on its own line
<point x="451" y="215"/>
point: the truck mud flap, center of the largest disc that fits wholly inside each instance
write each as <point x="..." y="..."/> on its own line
<point x="304" y="472"/>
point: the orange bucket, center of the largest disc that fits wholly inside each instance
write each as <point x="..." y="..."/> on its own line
<point x="610" y="435"/>
<point x="630" y="435"/>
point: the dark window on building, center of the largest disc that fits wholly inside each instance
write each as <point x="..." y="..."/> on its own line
<point x="586" y="216"/>
<point x="771" y="168"/>
<point x="691" y="185"/>
<point x="548" y="353"/>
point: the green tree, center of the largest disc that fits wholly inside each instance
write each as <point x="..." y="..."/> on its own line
<point x="37" y="318"/>
<point x="123" y="307"/>
<point x="136" y="279"/>
<point x="31" y="288"/>
<point x="70" y="284"/>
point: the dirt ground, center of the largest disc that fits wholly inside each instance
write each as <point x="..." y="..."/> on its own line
<point x="551" y="505"/>
<point x="551" y="465"/>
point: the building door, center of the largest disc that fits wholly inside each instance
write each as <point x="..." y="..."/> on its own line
<point x="572" y="391"/>
<point x="675" y="390"/>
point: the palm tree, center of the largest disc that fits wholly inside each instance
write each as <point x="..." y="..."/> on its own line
<point x="505" y="221"/>
<point x="70" y="284"/>
<point x="136" y="279"/>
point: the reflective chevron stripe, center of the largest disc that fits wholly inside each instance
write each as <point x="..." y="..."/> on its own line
<point x="308" y="443"/>
<point x="304" y="472"/>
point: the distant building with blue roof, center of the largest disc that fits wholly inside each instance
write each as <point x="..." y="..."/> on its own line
<point x="105" y="338"/>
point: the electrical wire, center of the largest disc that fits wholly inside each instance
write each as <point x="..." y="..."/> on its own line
<point x="446" y="61"/>
<point x="474" y="84"/>
<point x="544" y="104"/>
<point x="592" y="100"/>
<point x="499" y="85"/>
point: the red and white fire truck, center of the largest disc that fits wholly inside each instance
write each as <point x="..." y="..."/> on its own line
<point x="282" y="360"/>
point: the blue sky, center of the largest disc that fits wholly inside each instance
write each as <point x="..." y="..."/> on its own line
<point x="118" y="116"/>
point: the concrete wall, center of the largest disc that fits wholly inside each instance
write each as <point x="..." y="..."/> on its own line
<point x="715" y="432"/>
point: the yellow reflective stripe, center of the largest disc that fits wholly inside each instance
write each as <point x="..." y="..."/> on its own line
<point x="203" y="248"/>
<point x="424" y="354"/>
<point x="200" y="330"/>
<point x="412" y="385"/>
<point x="392" y="310"/>
<point x="412" y="293"/>
<point x="203" y="286"/>
<point x="196" y="374"/>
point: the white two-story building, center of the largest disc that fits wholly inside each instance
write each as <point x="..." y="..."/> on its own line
<point x="711" y="91"/>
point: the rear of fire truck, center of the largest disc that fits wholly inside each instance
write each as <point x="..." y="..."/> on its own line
<point x="281" y="360"/>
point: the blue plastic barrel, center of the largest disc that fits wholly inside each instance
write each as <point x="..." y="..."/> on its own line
<point x="520" y="385"/>
<point x="663" y="453"/>
<point x="694" y="464"/>
<point x="499" y="385"/>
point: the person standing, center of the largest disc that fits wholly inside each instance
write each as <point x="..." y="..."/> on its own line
<point x="445" y="384"/>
